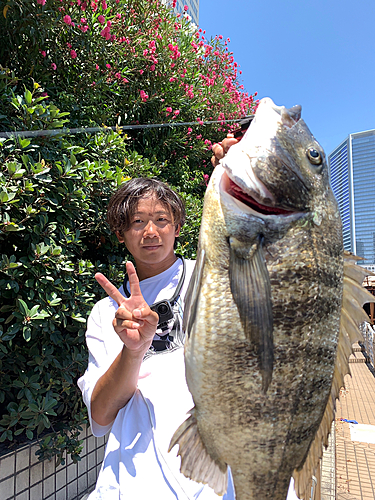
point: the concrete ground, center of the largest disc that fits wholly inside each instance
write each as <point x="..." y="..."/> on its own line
<point x="355" y="460"/>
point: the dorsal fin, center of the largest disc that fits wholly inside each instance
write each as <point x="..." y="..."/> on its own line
<point x="352" y="314"/>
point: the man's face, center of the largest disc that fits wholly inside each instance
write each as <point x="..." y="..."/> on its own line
<point x="150" y="238"/>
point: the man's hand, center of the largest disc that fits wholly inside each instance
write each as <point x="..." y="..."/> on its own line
<point x="135" y="323"/>
<point x="221" y="149"/>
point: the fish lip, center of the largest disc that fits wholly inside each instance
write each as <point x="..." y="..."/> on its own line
<point x="225" y="187"/>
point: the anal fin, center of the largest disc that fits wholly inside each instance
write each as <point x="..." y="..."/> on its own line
<point x="196" y="463"/>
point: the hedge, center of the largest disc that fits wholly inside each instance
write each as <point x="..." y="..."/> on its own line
<point x="67" y="64"/>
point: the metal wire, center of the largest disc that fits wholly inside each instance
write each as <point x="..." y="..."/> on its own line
<point x="80" y="130"/>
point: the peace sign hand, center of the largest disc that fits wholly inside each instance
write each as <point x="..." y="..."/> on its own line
<point x="135" y="323"/>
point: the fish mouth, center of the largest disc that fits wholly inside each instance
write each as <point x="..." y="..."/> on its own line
<point x="289" y="116"/>
<point x="237" y="192"/>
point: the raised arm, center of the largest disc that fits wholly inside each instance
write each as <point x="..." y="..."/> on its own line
<point x="135" y="324"/>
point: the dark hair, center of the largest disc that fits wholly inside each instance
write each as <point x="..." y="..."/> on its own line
<point x="124" y="202"/>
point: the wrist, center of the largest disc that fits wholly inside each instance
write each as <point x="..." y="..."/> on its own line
<point x="138" y="353"/>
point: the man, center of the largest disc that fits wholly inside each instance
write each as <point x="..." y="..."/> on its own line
<point x="135" y="382"/>
<point x="142" y="402"/>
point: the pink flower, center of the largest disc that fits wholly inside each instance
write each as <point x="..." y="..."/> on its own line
<point x="118" y="75"/>
<point x="69" y="45"/>
<point x="168" y="110"/>
<point x="43" y="52"/>
<point x="53" y="66"/>
<point x="106" y="33"/>
<point x="67" y="20"/>
<point x="141" y="71"/>
<point x="186" y="8"/>
<point x="73" y="54"/>
<point x="41" y="2"/>
<point x="96" y="66"/>
<point x="104" y="5"/>
<point x="101" y="19"/>
<point x="143" y="95"/>
<point x="189" y="130"/>
<point x="177" y="112"/>
<point x="152" y="67"/>
<point x="206" y="177"/>
<point x="108" y="66"/>
<point x="145" y="52"/>
<point x="83" y="20"/>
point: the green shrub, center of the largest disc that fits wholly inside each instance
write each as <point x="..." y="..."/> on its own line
<point x="147" y="67"/>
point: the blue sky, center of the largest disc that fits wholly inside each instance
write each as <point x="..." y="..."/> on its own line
<point x="320" y="54"/>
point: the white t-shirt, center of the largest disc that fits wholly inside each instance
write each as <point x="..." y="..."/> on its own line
<point x="136" y="463"/>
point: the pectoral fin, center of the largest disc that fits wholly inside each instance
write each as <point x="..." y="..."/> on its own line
<point x="251" y="290"/>
<point x="196" y="463"/>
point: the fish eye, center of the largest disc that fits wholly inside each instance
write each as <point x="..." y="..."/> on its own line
<point x="314" y="156"/>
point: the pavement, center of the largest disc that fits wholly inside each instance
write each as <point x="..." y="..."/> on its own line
<point x="348" y="469"/>
<point x="355" y="460"/>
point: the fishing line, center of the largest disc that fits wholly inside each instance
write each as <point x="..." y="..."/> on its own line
<point x="80" y="130"/>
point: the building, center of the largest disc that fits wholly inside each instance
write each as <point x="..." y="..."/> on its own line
<point x="193" y="9"/>
<point x="192" y="5"/>
<point x="352" y="172"/>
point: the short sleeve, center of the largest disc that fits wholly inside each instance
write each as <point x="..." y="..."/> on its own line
<point x="104" y="346"/>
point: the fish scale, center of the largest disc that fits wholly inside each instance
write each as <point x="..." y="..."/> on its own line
<point x="272" y="309"/>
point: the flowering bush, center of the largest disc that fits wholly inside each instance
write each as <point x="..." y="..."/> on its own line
<point x="122" y="61"/>
<point x="103" y="62"/>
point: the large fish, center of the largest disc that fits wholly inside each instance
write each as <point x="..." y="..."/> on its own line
<point x="273" y="309"/>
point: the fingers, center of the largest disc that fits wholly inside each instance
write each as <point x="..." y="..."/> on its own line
<point x="222" y="148"/>
<point x="146" y="314"/>
<point x="135" y="289"/>
<point x="109" y="288"/>
<point x="125" y="319"/>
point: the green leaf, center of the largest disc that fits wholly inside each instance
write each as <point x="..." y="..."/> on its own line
<point x="27" y="333"/>
<point x="34" y="310"/>
<point x="4" y="197"/>
<point x="11" y="226"/>
<point x="23" y="307"/>
<point x="13" y="265"/>
<point x="79" y="319"/>
<point x="28" y="97"/>
<point x="24" y="143"/>
<point x="11" y="332"/>
<point x="18" y="383"/>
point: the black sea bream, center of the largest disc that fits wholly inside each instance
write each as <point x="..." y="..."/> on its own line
<point x="272" y="312"/>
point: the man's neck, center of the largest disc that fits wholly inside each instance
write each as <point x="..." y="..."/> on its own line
<point x="148" y="270"/>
